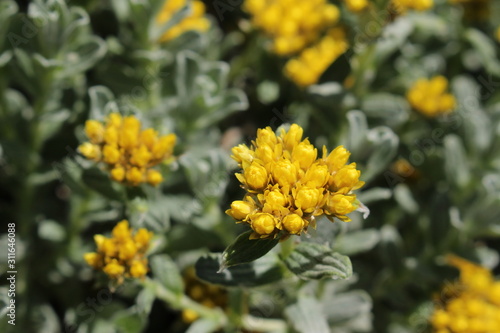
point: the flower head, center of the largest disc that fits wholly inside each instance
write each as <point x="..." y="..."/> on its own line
<point x="195" y="20"/>
<point x="123" y="254"/>
<point x="472" y="304"/>
<point x="288" y="188"/>
<point x="129" y="153"/>
<point x="430" y="98"/>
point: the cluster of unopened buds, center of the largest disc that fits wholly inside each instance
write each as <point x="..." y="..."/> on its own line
<point x="288" y="187"/>
<point x="129" y="152"/>
<point x="123" y="255"/>
<point x="470" y="305"/>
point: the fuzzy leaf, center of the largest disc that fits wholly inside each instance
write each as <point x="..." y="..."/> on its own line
<point x="166" y="272"/>
<point x="311" y="261"/>
<point x="307" y="316"/>
<point x="245" y="250"/>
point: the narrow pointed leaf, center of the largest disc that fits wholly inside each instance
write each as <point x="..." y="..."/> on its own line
<point x="245" y="250"/>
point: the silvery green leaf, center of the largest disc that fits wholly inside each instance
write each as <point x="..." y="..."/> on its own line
<point x="245" y="250"/>
<point x="144" y="301"/>
<point x="343" y="310"/>
<point x="486" y="48"/>
<point x="100" y="182"/>
<point x="374" y="194"/>
<point x="306" y="316"/>
<point x="311" y="261"/>
<point x="358" y="129"/>
<point x="391" y="246"/>
<point x="393" y="37"/>
<point x="392" y="108"/>
<point x="404" y="197"/>
<point x="259" y="272"/>
<point x="268" y="92"/>
<point x="203" y="326"/>
<point x="165" y="271"/>
<point x="51" y="230"/>
<point x="121" y="8"/>
<point x="101" y="102"/>
<point x="357" y="241"/>
<point x="52" y="122"/>
<point x="5" y="57"/>
<point x="84" y="56"/>
<point x="456" y="163"/>
<point x="127" y="322"/>
<point x="385" y="145"/>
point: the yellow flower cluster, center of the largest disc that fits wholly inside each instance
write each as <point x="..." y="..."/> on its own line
<point x="288" y="186"/>
<point x="122" y="255"/>
<point x="206" y="294"/>
<point x="301" y="26"/>
<point x="128" y="152"/>
<point x="306" y="69"/>
<point x="401" y="6"/>
<point x="472" y="305"/>
<point x="292" y="24"/>
<point x="430" y="97"/>
<point x="196" y="20"/>
<point x="356" y="5"/>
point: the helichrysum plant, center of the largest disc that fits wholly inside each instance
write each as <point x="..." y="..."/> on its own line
<point x="288" y="187"/>
<point x="128" y="152"/>
<point x="430" y="97"/>
<point x="123" y="255"/>
<point x="195" y="20"/>
<point x="472" y="304"/>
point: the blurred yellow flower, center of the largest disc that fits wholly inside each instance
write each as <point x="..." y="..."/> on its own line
<point x="470" y="305"/>
<point x="128" y="152"/>
<point x="206" y="294"/>
<point x="307" y="68"/>
<point x="356" y="5"/>
<point x="288" y="186"/>
<point x="430" y="98"/>
<point x="123" y="255"/>
<point x="401" y="6"/>
<point x="195" y="20"/>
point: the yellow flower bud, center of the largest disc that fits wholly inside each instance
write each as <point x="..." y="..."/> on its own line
<point x="93" y="259"/>
<point x="356" y="5"/>
<point x="266" y="137"/>
<point x="337" y="158"/>
<point x="90" y="151"/>
<point x="346" y="177"/>
<point x="292" y="137"/>
<point x="242" y="153"/>
<point x="164" y="146"/>
<point x="94" y="131"/>
<point x="114" y="120"/>
<point x="440" y="319"/>
<point x="305" y="154"/>
<point x="111" y="136"/>
<point x="131" y="123"/>
<point x="316" y="176"/>
<point x="140" y="156"/>
<point x="256" y="176"/>
<point x="138" y="269"/>
<point x="134" y="176"/>
<point x="307" y="199"/>
<point x="275" y="198"/>
<point x="111" y="154"/>
<point x="142" y="239"/>
<point x="149" y="137"/>
<point x="114" y="269"/>
<point x="240" y="209"/>
<point x="263" y="223"/>
<point x="108" y="248"/>
<point x="122" y="231"/>
<point x="285" y="173"/>
<point x="189" y="315"/>
<point x="127" y="250"/>
<point x="118" y="173"/>
<point x="339" y="204"/>
<point x="294" y="224"/>
<point x="154" y="177"/>
<point x="265" y="154"/>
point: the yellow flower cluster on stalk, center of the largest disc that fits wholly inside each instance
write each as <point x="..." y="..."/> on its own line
<point x="401" y="6"/>
<point x="129" y="152"/>
<point x="122" y="255"/>
<point x="356" y="5"/>
<point x="208" y="295"/>
<point x="303" y="29"/>
<point x="306" y="69"/>
<point x="196" y="20"/>
<point x="288" y="186"/>
<point x="430" y="97"/>
<point x="472" y="304"/>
